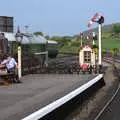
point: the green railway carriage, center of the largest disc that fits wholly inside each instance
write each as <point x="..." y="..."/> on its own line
<point x="35" y="49"/>
<point x="33" y="44"/>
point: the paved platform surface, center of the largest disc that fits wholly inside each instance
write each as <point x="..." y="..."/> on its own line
<point x="19" y="100"/>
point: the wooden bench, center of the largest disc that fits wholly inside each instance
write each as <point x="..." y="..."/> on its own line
<point x="8" y="77"/>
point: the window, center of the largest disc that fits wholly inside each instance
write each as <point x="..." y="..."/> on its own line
<point x="87" y="56"/>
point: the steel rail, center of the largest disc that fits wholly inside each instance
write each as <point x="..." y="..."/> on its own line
<point x="107" y="104"/>
<point x="109" y="60"/>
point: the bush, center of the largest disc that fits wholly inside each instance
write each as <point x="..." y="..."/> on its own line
<point x="116" y="28"/>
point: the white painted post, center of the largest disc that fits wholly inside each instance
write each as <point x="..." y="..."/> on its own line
<point x="46" y="61"/>
<point x="81" y="37"/>
<point x="93" y="42"/>
<point x="100" y="50"/>
<point x="81" y="40"/>
<point x="19" y="62"/>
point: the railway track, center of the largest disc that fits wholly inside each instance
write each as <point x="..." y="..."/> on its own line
<point x="70" y="64"/>
<point x="110" y="109"/>
<point x="62" y="65"/>
<point x="111" y="60"/>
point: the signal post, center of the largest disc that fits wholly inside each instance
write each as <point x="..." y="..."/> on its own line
<point x="100" y="20"/>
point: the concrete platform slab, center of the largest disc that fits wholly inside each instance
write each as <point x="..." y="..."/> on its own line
<point x="19" y="100"/>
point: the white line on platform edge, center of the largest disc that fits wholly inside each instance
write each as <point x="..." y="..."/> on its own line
<point x="52" y="106"/>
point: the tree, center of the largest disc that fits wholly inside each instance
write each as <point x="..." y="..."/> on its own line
<point x="47" y="37"/>
<point x="116" y="28"/>
<point x="38" y="33"/>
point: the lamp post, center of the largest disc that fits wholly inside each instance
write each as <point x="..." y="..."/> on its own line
<point x="19" y="39"/>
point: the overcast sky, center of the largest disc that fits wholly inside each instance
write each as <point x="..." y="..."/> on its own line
<point x="59" y="17"/>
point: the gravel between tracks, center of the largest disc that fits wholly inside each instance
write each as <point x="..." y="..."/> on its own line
<point x="90" y="108"/>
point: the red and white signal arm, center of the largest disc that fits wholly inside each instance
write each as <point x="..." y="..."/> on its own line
<point x="81" y="33"/>
<point x="96" y="18"/>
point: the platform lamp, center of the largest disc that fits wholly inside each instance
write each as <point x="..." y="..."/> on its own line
<point x="19" y="38"/>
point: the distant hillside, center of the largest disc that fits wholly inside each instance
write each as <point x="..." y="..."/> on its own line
<point x="105" y="29"/>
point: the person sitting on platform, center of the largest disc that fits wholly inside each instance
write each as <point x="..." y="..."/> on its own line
<point x="11" y="66"/>
<point x="10" y="63"/>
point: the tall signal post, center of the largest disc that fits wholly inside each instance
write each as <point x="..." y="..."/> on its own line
<point x="100" y="20"/>
<point x="100" y="46"/>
